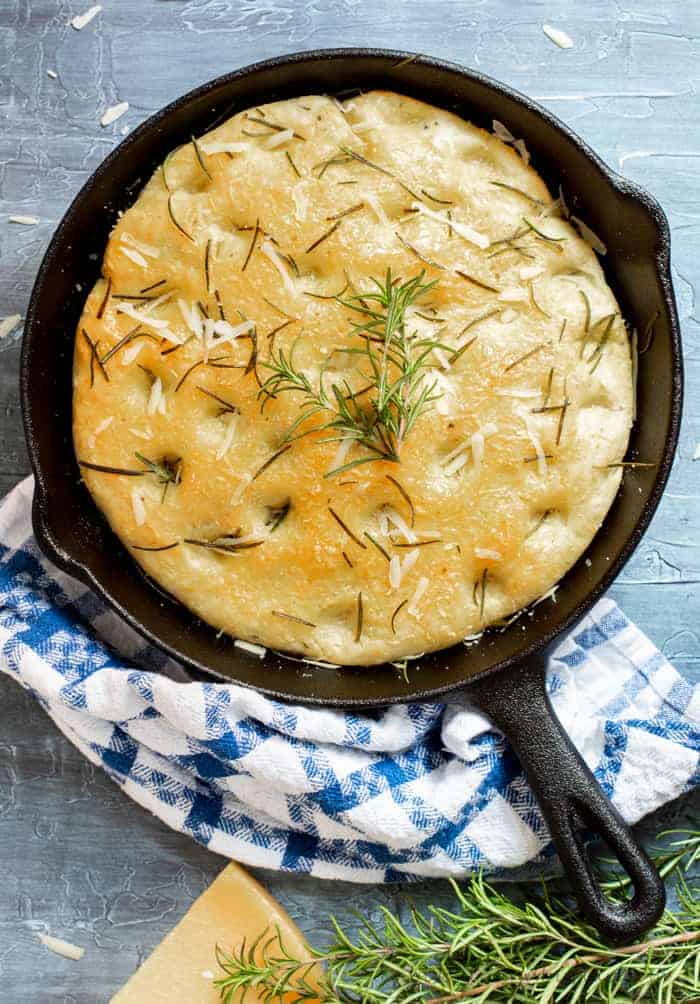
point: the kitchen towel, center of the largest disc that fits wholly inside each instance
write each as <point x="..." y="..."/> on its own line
<point x="411" y="791"/>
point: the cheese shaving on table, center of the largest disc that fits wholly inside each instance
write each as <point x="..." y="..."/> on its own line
<point x="416" y="598"/>
<point x="696" y="455"/>
<point x="465" y="231"/>
<point x="60" y="947"/>
<point x="25" y="221"/>
<point x="220" y="146"/>
<point x="115" y="112"/>
<point x="52" y="74"/>
<point x="280" y="138"/>
<point x="269" y="251"/>
<point x="81" y="21"/>
<point x="8" y="324"/>
<point x="558" y="36"/>
<point x="248" y="646"/>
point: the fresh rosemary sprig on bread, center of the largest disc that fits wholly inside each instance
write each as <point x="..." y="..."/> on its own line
<point x="487" y="947"/>
<point x="392" y="362"/>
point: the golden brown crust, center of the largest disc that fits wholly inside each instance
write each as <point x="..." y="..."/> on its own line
<point x="521" y="520"/>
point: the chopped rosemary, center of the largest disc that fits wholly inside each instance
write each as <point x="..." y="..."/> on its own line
<point x="548" y="387"/>
<point x="130" y="336"/>
<point x="347" y="529"/>
<point x="476" y="282"/>
<point x="256" y="231"/>
<point x="270" y="460"/>
<point x="480" y="590"/>
<point x="332" y="161"/>
<point x="291" y="617"/>
<point x="167" y="472"/>
<point x="227" y="544"/>
<point x="323" y="237"/>
<point x="607" y="331"/>
<point x="479" y="319"/>
<point x="94" y="358"/>
<point x="518" y="191"/>
<point x="154" y="285"/>
<point x="562" y="329"/>
<point x="291" y="163"/>
<point x="174" y="220"/>
<point x="534" y="303"/>
<point x="395" y="615"/>
<point x="273" y="126"/>
<point x="628" y="463"/>
<point x="544" y="516"/>
<point x="381" y="422"/>
<point x="527" y="355"/>
<point x="541" y="233"/>
<point x="360" y="618"/>
<point x="102" y="469"/>
<point x="277" y="514"/>
<point x="325" y="296"/>
<point x="434" y="198"/>
<point x="418" y="543"/>
<point x="402" y="491"/>
<point x="377" y="167"/>
<point x="278" y="309"/>
<point x="275" y="331"/>
<point x="163" y="547"/>
<point x="458" y="353"/>
<point x="105" y="299"/>
<point x="347" y="560"/>
<point x="346" y="212"/>
<point x="226" y="407"/>
<point x="532" y="460"/>
<point x="207" y="257"/>
<point x="200" y="158"/>
<point x="418" y="254"/>
<point x="587" y="309"/>
<point x="378" y="546"/>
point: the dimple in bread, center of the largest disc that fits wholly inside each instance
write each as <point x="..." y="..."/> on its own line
<point x="351" y="384"/>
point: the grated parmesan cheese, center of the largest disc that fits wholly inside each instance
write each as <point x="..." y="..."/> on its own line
<point x="219" y="146"/>
<point x="400" y="523"/>
<point x="139" y="509"/>
<point x="416" y="598"/>
<point x="248" y="646"/>
<point x="508" y="316"/>
<point x="513" y="294"/>
<point x="530" y="271"/>
<point x="115" y="112"/>
<point x="487" y="554"/>
<point x="269" y="251"/>
<point x="81" y="21"/>
<point x="279" y="139"/>
<point x="159" y="325"/>
<point x="60" y="947"/>
<point x="535" y="440"/>
<point x="8" y="324"/>
<point x="145" y="249"/>
<point x="503" y="133"/>
<point x="191" y="317"/>
<point x="341" y="455"/>
<point x="137" y="258"/>
<point x="130" y="353"/>
<point x="227" y="441"/>
<point x="226" y="332"/>
<point x="375" y="205"/>
<point x="558" y="36"/>
<point x="140" y="434"/>
<point x="25" y="221"/>
<point x="477" y="443"/>
<point x="156" y="401"/>
<point x="465" y="231"/>
<point x="395" y="571"/>
<point x="591" y="238"/>
<point x="409" y="561"/>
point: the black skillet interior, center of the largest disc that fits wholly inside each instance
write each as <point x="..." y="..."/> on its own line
<point x="70" y="529"/>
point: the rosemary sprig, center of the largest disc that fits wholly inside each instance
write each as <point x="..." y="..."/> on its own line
<point x="397" y="393"/>
<point x="226" y="544"/>
<point x="167" y="472"/>
<point x="487" y="947"/>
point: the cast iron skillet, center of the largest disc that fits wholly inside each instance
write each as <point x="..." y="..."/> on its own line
<point x="504" y="674"/>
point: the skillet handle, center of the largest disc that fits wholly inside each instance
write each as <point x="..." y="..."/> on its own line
<point x="571" y="801"/>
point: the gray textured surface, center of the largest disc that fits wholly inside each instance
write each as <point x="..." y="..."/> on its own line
<point x="77" y="857"/>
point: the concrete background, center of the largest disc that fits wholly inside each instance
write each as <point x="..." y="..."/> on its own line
<point x="77" y="857"/>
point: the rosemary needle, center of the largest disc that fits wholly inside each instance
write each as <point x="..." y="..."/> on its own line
<point x="323" y="237"/>
<point x="200" y="158"/>
<point x="102" y="469"/>
<point x="226" y="407"/>
<point x="347" y="560"/>
<point x="207" y="256"/>
<point x="476" y="282"/>
<point x="521" y="359"/>
<point x="360" y="618"/>
<point x="163" y="547"/>
<point x="174" y="220"/>
<point x="346" y="212"/>
<point x="94" y="358"/>
<point x="402" y="491"/>
<point x="378" y="546"/>
<point x="270" y="460"/>
<point x="291" y="163"/>
<point x="291" y="617"/>
<point x="347" y="529"/>
<point x="154" y="285"/>
<point x="256" y="231"/>
<point x="418" y="254"/>
<point x="105" y="299"/>
<point x="395" y="615"/>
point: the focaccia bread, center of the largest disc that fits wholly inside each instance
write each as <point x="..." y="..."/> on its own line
<point x="351" y="386"/>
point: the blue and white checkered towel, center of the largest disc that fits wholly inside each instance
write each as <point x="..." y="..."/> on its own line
<point x="418" y="790"/>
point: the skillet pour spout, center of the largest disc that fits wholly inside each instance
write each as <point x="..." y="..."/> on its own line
<point x="504" y="673"/>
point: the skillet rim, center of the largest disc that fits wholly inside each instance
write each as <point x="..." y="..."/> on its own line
<point x="660" y="256"/>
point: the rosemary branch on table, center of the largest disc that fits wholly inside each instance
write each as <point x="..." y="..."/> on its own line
<point x="393" y="364"/>
<point x="487" y="947"/>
